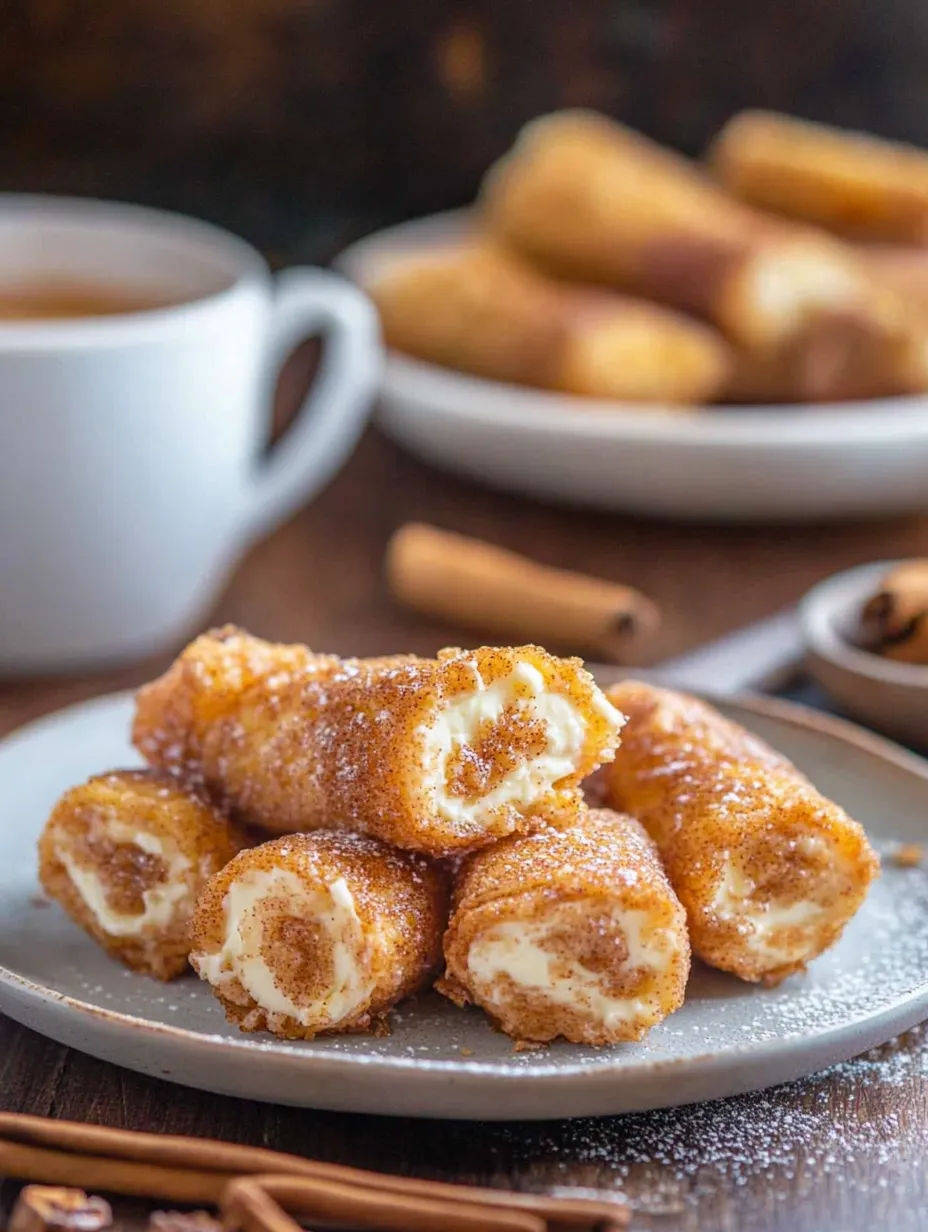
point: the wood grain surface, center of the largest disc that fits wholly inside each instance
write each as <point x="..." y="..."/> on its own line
<point x="842" y="1152"/>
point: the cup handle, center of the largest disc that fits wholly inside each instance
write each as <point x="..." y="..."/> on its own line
<point x="330" y="421"/>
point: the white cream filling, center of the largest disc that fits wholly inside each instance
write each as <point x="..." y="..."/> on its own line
<point x="516" y="949"/>
<point x="160" y="900"/>
<point x="784" y="284"/>
<point x="733" y="903"/>
<point x="332" y="907"/>
<point x="461" y="722"/>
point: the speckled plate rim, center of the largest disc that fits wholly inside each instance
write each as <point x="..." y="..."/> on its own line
<point x="486" y="1090"/>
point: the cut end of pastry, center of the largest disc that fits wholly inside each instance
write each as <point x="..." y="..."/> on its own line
<point x="125" y="854"/>
<point x="318" y="933"/>
<point x="779" y="901"/>
<point x="284" y="951"/>
<point x="595" y="974"/>
<point x="785" y="284"/>
<point x="514" y="733"/>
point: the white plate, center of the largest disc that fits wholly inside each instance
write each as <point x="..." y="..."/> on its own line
<point x="746" y="463"/>
<point x="728" y="1037"/>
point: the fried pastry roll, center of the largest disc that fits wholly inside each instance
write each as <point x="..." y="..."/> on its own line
<point x="477" y="308"/>
<point x="318" y="932"/>
<point x="769" y="871"/>
<point x="587" y="199"/>
<point x="574" y="933"/>
<point x="834" y="361"/>
<point x="849" y="182"/>
<point x="433" y="755"/>
<point x="126" y="854"/>
<point x="902" y="267"/>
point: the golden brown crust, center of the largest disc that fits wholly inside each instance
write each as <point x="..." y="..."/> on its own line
<point x="835" y="359"/>
<point x="589" y="200"/>
<point x="846" y="181"/>
<point x="473" y="308"/>
<point x="903" y="268"/>
<point x="305" y="742"/>
<point x="576" y="884"/>
<point x="401" y="902"/>
<point x="710" y="793"/>
<point x="145" y="802"/>
<point x="476" y="307"/>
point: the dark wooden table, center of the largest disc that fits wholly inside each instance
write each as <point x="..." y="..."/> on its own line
<point x="842" y="1152"/>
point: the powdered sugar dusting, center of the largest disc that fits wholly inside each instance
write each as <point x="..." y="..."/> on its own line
<point x="801" y="1133"/>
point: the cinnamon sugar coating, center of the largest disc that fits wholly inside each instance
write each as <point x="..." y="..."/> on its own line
<point x="768" y="869"/>
<point x="320" y="932"/>
<point x="125" y="854"/>
<point x="573" y="932"/>
<point x="435" y="755"/>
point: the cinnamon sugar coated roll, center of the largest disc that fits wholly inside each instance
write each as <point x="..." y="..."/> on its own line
<point x="769" y="870"/>
<point x="126" y="854"/>
<point x="851" y="182"/>
<point x="318" y="932"/>
<point x="434" y="755"/>
<point x="477" y="308"/>
<point x="574" y="933"/>
<point x="589" y="200"/>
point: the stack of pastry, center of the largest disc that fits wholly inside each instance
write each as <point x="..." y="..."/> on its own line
<point x="319" y="837"/>
<point x="602" y="265"/>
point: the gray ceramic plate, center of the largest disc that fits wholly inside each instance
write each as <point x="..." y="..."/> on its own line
<point x="444" y="1062"/>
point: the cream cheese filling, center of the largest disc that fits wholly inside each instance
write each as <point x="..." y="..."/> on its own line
<point x="460" y="723"/>
<point x="254" y="897"/>
<point x="785" y="283"/>
<point x="160" y="900"/>
<point x="762" y="923"/>
<point x="517" y="949"/>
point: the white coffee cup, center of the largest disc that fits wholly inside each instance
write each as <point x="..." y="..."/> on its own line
<point x="131" y="467"/>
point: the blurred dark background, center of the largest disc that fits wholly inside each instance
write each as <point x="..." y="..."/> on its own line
<point x="302" y="124"/>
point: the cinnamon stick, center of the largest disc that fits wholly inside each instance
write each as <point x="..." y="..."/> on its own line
<point x="894" y="621"/>
<point x="196" y="1170"/>
<point x="561" y="1213"/>
<point x="505" y="595"/>
<point x="139" y="1180"/>
<point x="248" y="1206"/>
<point x="170" y="1150"/>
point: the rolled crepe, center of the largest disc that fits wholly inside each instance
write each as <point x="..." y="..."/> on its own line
<point x="318" y="932"/>
<point x="574" y="933"/>
<point x="587" y="199"/>
<point x="846" y="181"/>
<point x="769" y="870"/>
<point x="478" y="308"/>
<point x="435" y="755"/>
<point x="126" y="854"/>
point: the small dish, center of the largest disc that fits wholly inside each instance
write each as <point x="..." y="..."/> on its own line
<point x="889" y="696"/>
<point x="721" y="463"/>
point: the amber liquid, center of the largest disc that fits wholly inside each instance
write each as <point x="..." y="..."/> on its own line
<point x="50" y="301"/>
